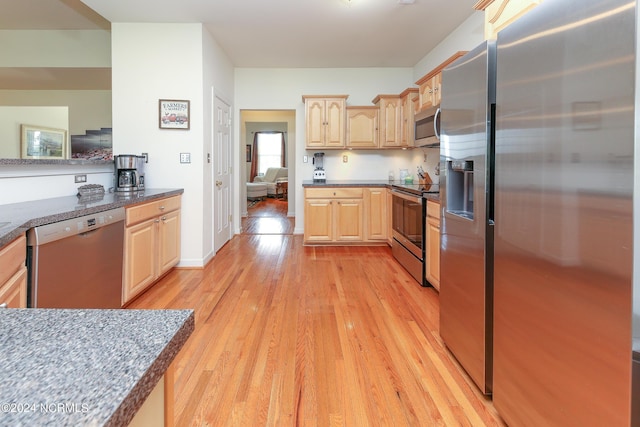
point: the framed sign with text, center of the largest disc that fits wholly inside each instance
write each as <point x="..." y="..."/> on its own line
<point x="173" y="114"/>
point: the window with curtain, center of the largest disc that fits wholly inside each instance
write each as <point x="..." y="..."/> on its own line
<point x="269" y="151"/>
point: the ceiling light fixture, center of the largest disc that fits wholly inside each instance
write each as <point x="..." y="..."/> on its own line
<point x="406" y="1"/>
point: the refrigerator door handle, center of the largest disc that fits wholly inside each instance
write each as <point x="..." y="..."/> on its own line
<point x="436" y="129"/>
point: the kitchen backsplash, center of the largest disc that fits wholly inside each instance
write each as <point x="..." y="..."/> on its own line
<point x="374" y="164"/>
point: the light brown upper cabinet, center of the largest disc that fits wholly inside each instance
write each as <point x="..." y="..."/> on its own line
<point x="429" y="93"/>
<point x="325" y="120"/>
<point x="390" y="119"/>
<point x="407" y="133"/>
<point x="362" y="127"/>
<point x="498" y="14"/>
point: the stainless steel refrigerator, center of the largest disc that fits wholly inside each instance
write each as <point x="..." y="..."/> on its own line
<point x="466" y="256"/>
<point x="555" y="302"/>
<point x="563" y="214"/>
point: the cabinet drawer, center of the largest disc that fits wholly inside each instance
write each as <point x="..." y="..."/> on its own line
<point x="149" y="210"/>
<point x="433" y="209"/>
<point x="12" y="257"/>
<point x="333" y="193"/>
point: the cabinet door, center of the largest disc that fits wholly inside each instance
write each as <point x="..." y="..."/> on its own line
<point x="169" y="241"/>
<point x="362" y="127"/>
<point x="407" y="122"/>
<point x="390" y="119"/>
<point x="334" y="123"/>
<point x="13" y="294"/>
<point x="315" y="122"/>
<point x="436" y="84"/>
<point x="348" y="219"/>
<point x="139" y="258"/>
<point x="376" y="213"/>
<point x="426" y="94"/>
<point x="433" y="252"/>
<point x="318" y="220"/>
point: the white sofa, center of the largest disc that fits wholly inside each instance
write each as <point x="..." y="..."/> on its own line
<point x="271" y="177"/>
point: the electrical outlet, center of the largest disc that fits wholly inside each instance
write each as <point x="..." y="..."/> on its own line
<point x="80" y="178"/>
<point x="345" y="158"/>
<point x="185" y="157"/>
<point x="305" y="158"/>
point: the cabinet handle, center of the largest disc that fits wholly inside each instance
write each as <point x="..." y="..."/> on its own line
<point x="4" y="305"/>
<point x="164" y="219"/>
<point x="156" y="221"/>
<point x="161" y="208"/>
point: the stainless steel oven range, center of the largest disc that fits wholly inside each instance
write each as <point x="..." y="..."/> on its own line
<point x="408" y="218"/>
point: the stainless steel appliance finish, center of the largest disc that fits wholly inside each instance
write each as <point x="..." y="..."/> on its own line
<point x="407" y="245"/>
<point x="563" y="221"/>
<point x="466" y="256"/>
<point x="427" y="128"/>
<point x="77" y="263"/>
<point x="129" y="173"/>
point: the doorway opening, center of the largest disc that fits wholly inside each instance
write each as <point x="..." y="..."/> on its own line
<point x="267" y="204"/>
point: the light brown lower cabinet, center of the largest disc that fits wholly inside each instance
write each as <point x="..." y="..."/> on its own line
<point x="152" y="244"/>
<point x="13" y="274"/>
<point x="345" y="215"/>
<point x="432" y="228"/>
<point x="333" y="215"/>
<point x="375" y="214"/>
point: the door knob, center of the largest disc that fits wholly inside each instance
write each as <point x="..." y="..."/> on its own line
<point x="218" y="184"/>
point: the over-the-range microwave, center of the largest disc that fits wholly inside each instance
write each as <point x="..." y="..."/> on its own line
<point x="427" y="128"/>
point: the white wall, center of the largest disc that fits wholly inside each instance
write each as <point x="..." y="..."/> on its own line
<point x="55" y="48"/>
<point x="167" y="61"/>
<point x="218" y="80"/>
<point x="11" y="119"/>
<point x="88" y="109"/>
<point x="467" y="36"/>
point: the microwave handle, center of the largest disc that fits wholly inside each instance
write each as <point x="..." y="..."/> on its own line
<point x="435" y="124"/>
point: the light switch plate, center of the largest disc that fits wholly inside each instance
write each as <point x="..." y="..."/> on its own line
<point x="185" y="157"/>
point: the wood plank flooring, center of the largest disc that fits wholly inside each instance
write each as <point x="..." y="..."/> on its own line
<point x="268" y="216"/>
<point x="288" y="335"/>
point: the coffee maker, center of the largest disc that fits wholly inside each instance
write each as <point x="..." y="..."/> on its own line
<point x="129" y="173"/>
<point x="318" y="173"/>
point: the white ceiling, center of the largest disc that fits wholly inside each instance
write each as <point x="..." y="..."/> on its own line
<point x="307" y="33"/>
<point x="272" y="33"/>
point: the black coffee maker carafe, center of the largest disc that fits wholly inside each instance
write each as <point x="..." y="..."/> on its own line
<point x="129" y="173"/>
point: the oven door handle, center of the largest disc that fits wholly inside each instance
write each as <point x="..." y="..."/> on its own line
<point x="409" y="197"/>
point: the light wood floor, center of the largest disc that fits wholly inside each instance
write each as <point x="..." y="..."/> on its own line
<point x="268" y="216"/>
<point x="288" y="335"/>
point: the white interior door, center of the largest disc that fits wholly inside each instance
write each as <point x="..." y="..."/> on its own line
<point x="221" y="173"/>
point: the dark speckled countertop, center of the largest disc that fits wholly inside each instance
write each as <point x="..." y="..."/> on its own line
<point x="84" y="367"/>
<point x="354" y="183"/>
<point x="17" y="218"/>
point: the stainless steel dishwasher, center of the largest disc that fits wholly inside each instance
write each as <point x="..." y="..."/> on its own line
<point x="77" y="263"/>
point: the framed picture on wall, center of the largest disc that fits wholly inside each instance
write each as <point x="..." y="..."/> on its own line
<point x="37" y="142"/>
<point x="173" y="114"/>
<point x="248" y="153"/>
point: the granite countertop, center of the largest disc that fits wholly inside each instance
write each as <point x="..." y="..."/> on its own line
<point x="17" y="218"/>
<point x="84" y="367"/>
<point x="357" y="183"/>
<point x="347" y="183"/>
